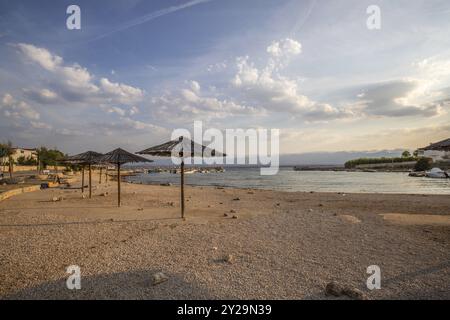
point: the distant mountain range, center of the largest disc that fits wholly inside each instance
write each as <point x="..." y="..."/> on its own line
<point x="313" y="158"/>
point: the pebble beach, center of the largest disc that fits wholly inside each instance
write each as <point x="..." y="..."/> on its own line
<point x="233" y="244"/>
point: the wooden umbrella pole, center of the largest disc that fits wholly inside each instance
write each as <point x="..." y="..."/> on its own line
<point x="100" y="179"/>
<point x="90" y="181"/>
<point x="82" y="179"/>
<point x="118" y="184"/>
<point x="182" y="189"/>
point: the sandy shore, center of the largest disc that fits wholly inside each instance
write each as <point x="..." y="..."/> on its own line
<point x="283" y="245"/>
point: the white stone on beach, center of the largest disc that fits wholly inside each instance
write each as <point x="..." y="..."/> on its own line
<point x="349" y="218"/>
<point x="229" y="258"/>
<point x="336" y="289"/>
<point x="159" y="277"/>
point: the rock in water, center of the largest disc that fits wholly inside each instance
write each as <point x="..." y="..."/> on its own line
<point x="159" y="277"/>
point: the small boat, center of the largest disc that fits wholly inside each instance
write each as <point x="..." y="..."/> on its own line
<point x="417" y="174"/>
<point x="436" y="173"/>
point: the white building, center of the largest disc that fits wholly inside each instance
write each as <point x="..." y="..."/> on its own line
<point x="439" y="151"/>
<point x="22" y="152"/>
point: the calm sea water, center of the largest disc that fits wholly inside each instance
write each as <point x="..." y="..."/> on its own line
<point x="289" y="180"/>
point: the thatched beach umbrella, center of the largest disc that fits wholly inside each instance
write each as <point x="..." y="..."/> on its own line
<point x="181" y="147"/>
<point x="443" y="145"/>
<point x="86" y="158"/>
<point x="119" y="157"/>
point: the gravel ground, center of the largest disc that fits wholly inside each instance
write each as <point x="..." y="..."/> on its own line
<point x="281" y="246"/>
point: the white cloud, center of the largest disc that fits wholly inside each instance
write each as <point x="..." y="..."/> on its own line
<point x="266" y="87"/>
<point x="128" y="125"/>
<point x="17" y="109"/>
<point x="41" y="56"/>
<point x="397" y="99"/>
<point x="76" y="83"/>
<point x="44" y="96"/>
<point x="117" y="110"/>
<point x="40" y="125"/>
<point x="189" y="104"/>
<point x="284" y="48"/>
<point x="195" y="86"/>
<point x="133" y="110"/>
<point x="121" y="92"/>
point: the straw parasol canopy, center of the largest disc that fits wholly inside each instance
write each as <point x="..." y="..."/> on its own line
<point x="119" y="157"/>
<point x="182" y="147"/>
<point x="443" y="145"/>
<point x="86" y="158"/>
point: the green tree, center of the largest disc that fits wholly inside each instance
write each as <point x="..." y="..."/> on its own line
<point x="423" y="164"/>
<point x="355" y="162"/>
<point x="29" y="161"/>
<point x="6" y="151"/>
<point x="49" y="157"/>
<point x="416" y="153"/>
<point x="406" y="154"/>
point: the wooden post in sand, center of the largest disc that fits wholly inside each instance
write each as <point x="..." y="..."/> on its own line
<point x="106" y="175"/>
<point x="118" y="184"/>
<point x="182" y="189"/>
<point x="100" y="179"/>
<point x="11" y="167"/>
<point x="82" y="179"/>
<point x="90" y="181"/>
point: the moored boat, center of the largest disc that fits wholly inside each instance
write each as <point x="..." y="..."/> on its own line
<point x="436" y="173"/>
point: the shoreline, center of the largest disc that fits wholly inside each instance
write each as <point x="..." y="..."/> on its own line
<point x="223" y="186"/>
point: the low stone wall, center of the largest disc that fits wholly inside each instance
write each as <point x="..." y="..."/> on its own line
<point x="28" y="168"/>
<point x="14" y="192"/>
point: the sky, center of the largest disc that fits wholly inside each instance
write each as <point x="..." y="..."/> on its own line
<point x="137" y="70"/>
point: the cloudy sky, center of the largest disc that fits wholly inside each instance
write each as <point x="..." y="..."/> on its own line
<point x="139" y="69"/>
